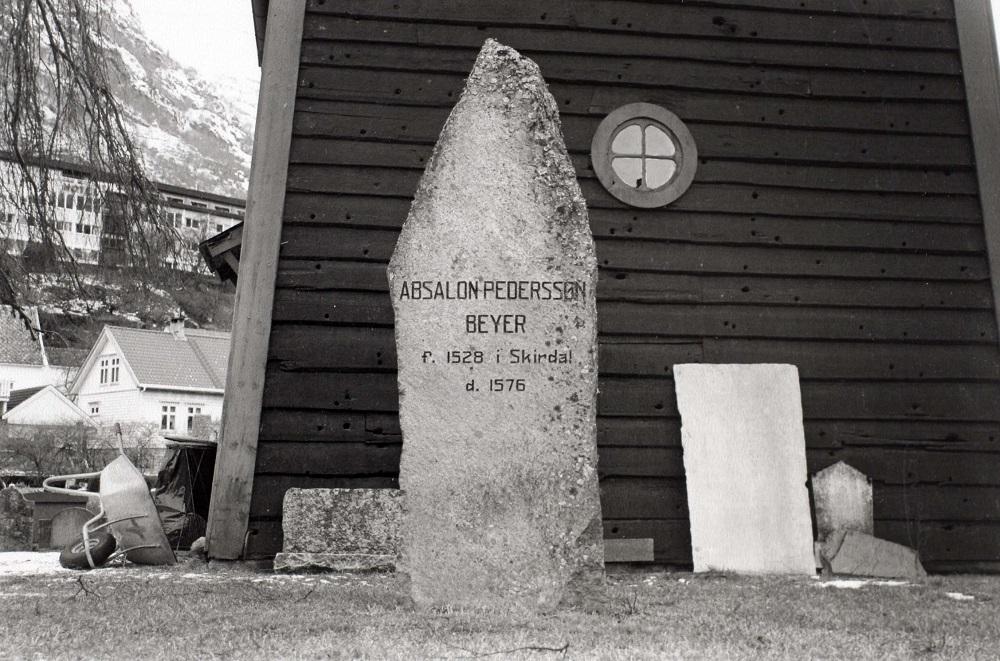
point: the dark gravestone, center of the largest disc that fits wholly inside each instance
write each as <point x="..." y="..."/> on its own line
<point x="493" y="285"/>
<point x="15" y="521"/>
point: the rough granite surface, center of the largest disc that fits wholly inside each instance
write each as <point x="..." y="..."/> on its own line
<point x="842" y="498"/>
<point x="745" y="467"/>
<point x="502" y="504"/>
<point x="15" y="521"/>
<point x="342" y="521"/>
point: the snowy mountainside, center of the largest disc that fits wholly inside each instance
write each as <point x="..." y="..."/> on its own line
<point x="192" y="132"/>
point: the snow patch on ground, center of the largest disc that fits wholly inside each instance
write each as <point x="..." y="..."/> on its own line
<point x="855" y="583"/>
<point x="21" y="595"/>
<point x="28" y="563"/>
<point x="46" y="563"/>
<point x="958" y="596"/>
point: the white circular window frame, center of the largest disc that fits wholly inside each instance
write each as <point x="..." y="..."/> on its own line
<point x="641" y="114"/>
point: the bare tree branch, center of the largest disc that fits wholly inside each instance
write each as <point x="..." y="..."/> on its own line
<point x="58" y="106"/>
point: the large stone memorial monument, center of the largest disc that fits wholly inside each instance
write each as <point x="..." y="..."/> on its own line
<point x="493" y="285"/>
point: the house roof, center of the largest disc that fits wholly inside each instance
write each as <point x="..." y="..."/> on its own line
<point x="18" y="397"/>
<point x="55" y="414"/>
<point x="18" y="344"/>
<point x="159" y="358"/>
<point x="86" y="170"/>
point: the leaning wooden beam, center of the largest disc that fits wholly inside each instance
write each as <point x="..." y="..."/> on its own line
<point x="230" y="508"/>
<point x="982" y="90"/>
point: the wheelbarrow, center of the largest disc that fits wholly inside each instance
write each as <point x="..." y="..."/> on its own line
<point x="127" y="508"/>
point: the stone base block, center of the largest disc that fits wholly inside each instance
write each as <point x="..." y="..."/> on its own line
<point x="859" y="554"/>
<point x="340" y="530"/>
<point x="343" y="562"/>
<point x="628" y="550"/>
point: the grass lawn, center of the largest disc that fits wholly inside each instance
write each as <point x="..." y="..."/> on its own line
<point x="198" y="611"/>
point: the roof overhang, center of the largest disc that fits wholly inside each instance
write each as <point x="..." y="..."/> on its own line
<point x="260" y="25"/>
<point x="222" y="252"/>
<point x="200" y="391"/>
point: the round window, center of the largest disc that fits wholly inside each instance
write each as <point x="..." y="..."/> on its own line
<point x="644" y="155"/>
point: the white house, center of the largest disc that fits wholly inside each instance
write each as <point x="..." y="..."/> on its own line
<point x="44" y="405"/>
<point x="161" y="377"/>
<point x="24" y="362"/>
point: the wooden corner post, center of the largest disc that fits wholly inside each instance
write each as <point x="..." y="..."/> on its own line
<point x="237" y="455"/>
<point x="981" y="71"/>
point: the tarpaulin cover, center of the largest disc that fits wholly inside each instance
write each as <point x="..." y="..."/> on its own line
<point x="183" y="492"/>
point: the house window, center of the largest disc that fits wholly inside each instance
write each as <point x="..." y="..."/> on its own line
<point x="644" y="155"/>
<point x="191" y="412"/>
<point x="109" y="370"/>
<point x="168" y="417"/>
<point x="95" y="409"/>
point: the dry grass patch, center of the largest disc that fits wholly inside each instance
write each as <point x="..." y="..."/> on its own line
<point x="194" y="611"/>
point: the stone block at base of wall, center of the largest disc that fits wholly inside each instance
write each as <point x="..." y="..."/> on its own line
<point x="340" y="530"/>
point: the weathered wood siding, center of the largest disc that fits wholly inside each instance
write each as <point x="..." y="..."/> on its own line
<point x="834" y="223"/>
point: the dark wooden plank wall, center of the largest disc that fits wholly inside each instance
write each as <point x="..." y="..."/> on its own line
<point x="834" y="223"/>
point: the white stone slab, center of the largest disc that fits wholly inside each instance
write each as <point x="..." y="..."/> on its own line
<point x="842" y="496"/>
<point x="745" y="462"/>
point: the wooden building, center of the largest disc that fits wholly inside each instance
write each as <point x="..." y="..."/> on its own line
<point x="844" y="217"/>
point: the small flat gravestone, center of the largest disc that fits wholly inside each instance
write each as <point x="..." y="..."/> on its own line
<point x="842" y="496"/>
<point x="745" y="466"/>
<point x="492" y="283"/>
